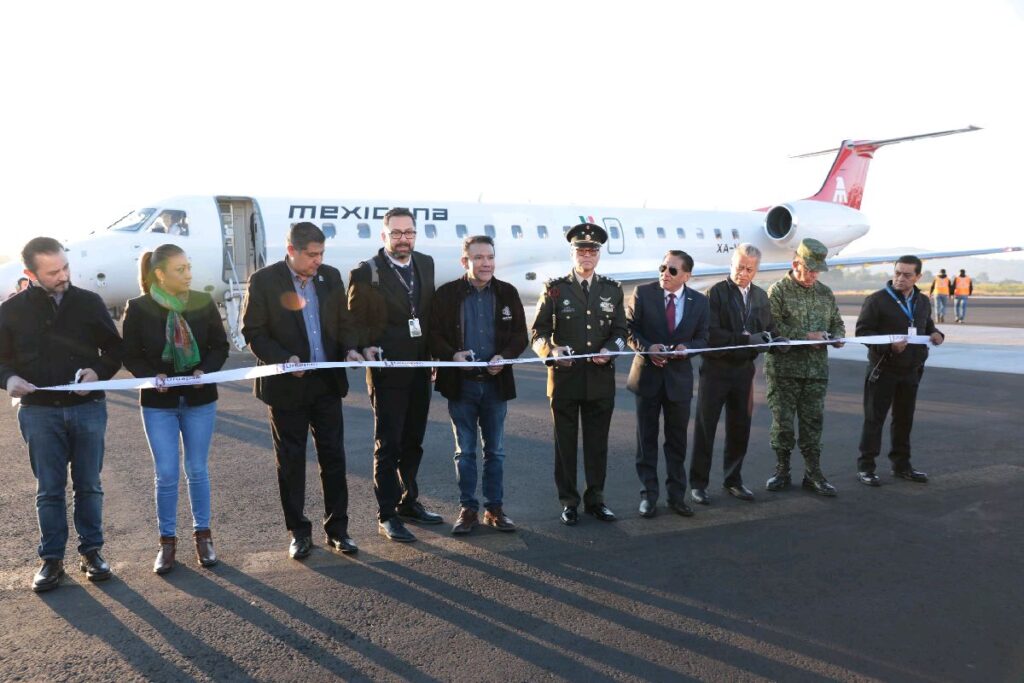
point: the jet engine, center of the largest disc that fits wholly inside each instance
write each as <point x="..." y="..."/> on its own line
<point x="831" y="223"/>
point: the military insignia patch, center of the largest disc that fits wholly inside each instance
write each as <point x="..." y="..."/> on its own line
<point x="607" y="307"/>
<point x="506" y="313"/>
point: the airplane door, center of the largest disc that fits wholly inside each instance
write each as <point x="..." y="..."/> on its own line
<point x="245" y="248"/>
<point x="616" y="235"/>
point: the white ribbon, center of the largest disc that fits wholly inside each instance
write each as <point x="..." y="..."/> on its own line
<point x="284" y="368"/>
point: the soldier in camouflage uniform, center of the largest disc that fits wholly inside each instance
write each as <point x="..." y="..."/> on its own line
<point x="802" y="308"/>
<point x="581" y="313"/>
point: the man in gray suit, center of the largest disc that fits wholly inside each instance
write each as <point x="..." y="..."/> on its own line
<point x="664" y="316"/>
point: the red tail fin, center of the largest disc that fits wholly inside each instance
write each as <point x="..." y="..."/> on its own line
<point x="844" y="183"/>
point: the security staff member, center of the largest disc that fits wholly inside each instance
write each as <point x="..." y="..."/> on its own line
<point x="581" y="313"/>
<point x="894" y="370"/>
<point x="940" y="290"/>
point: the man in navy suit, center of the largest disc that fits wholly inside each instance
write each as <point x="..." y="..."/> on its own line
<point x="661" y="317"/>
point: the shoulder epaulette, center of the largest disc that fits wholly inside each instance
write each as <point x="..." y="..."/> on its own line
<point x="610" y="280"/>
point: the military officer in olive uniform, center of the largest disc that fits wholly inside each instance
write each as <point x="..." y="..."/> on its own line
<point x="581" y="313"/>
<point x="802" y="308"/>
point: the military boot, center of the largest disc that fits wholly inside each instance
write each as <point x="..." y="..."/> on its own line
<point x="814" y="479"/>
<point x="781" y="479"/>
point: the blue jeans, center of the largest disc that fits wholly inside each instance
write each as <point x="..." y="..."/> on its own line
<point x="941" y="301"/>
<point x="194" y="427"/>
<point x="960" y="307"/>
<point x="479" y="408"/>
<point x="58" y="437"/>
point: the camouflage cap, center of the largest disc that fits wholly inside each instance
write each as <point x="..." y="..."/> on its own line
<point x="813" y="254"/>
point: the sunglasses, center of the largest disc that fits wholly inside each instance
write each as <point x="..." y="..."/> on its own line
<point x="672" y="270"/>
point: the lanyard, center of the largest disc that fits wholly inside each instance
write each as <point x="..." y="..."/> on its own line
<point x="408" y="288"/>
<point x="745" y="309"/>
<point x="907" y="308"/>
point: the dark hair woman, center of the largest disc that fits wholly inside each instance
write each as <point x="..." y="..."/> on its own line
<point x="173" y="331"/>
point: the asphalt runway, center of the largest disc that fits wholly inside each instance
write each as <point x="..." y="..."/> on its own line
<point x="997" y="311"/>
<point x="905" y="582"/>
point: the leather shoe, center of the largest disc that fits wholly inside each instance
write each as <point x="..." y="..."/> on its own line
<point x="496" y="517"/>
<point x="300" y="547"/>
<point x="342" y="543"/>
<point x="466" y="522"/>
<point x="647" y="509"/>
<point x="165" y="557"/>
<point x="911" y="475"/>
<point x="868" y="479"/>
<point x="740" y="491"/>
<point x="819" y="486"/>
<point x="415" y="512"/>
<point x="778" y="482"/>
<point x="570" y="516"/>
<point x="680" y="508"/>
<point x="600" y="511"/>
<point x="700" y="496"/>
<point x="394" y="530"/>
<point x="205" y="554"/>
<point x="94" y="566"/>
<point x="48" y="576"/>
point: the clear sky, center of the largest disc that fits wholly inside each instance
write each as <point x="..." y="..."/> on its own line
<point x="109" y="106"/>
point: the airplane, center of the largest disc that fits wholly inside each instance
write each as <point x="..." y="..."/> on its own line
<point x="228" y="237"/>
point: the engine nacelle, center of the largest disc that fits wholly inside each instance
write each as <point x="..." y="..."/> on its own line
<point x="833" y="224"/>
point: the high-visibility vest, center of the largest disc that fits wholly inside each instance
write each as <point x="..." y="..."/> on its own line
<point x="942" y="285"/>
<point x="962" y="286"/>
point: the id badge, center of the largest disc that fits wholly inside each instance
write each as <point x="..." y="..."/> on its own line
<point x="414" y="328"/>
<point x="912" y="331"/>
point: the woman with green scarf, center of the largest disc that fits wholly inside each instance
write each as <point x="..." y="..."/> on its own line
<point x="173" y="331"/>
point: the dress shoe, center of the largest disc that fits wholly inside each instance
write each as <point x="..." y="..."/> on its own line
<point x="700" y="496"/>
<point x="496" y="517"/>
<point x="740" y="491"/>
<point x="819" y="486"/>
<point x="300" y="547"/>
<point x="910" y="474"/>
<point x="570" y="516"/>
<point x="868" y="479"/>
<point x="680" y="508"/>
<point x="415" y="512"/>
<point x="94" y="566"/>
<point x="165" y="556"/>
<point x="204" y="547"/>
<point x="48" y="576"/>
<point x="394" y="530"/>
<point x="466" y="522"/>
<point x="600" y="511"/>
<point x="647" y="509"/>
<point x="341" y="543"/>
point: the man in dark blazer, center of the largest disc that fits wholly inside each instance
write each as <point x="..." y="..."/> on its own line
<point x="390" y="298"/>
<point x="664" y="316"/>
<point x="581" y="313"/>
<point x="295" y="313"/>
<point x="740" y="315"/>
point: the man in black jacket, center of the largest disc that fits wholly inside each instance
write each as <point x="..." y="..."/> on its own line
<point x="894" y="370"/>
<point x="478" y="317"/>
<point x="740" y="315"/>
<point x="295" y="313"/>
<point x="54" y="333"/>
<point x="390" y="297"/>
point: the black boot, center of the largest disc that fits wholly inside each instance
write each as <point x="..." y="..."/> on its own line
<point x="781" y="479"/>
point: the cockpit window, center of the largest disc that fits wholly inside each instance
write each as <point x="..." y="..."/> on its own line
<point x="133" y="221"/>
<point x="170" y="222"/>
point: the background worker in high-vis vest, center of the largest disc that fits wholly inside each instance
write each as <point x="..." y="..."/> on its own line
<point x="939" y="294"/>
<point x="963" y="287"/>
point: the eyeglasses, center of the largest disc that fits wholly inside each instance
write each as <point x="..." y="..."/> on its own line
<point x="397" y="234"/>
<point x="672" y="270"/>
<point x="587" y="251"/>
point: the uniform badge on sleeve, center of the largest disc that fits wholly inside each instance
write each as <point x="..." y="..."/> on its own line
<point x="506" y="313"/>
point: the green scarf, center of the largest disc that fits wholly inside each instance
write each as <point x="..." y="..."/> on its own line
<point x="181" y="347"/>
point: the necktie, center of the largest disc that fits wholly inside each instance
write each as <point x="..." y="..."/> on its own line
<point x="670" y="313"/>
<point x="586" y="288"/>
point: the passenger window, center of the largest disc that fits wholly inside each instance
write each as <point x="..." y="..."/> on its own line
<point x="517" y="232"/>
<point x="330" y="230"/>
<point x="639" y="233"/>
<point x="461" y="231"/>
<point x="431" y="230"/>
<point x="542" y="232"/>
<point x="489" y="231"/>
<point x="170" y="222"/>
<point x="661" y="233"/>
<point x="614" y="231"/>
<point x="566" y="229"/>
<point x="718" y="234"/>
<point x="364" y="231"/>
<point x="735" y="234"/>
<point x="700" y="233"/>
<point x="681" y="233"/>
